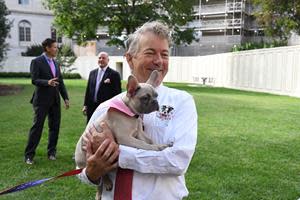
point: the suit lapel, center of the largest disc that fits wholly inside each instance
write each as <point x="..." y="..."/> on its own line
<point x="94" y="80"/>
<point x="106" y="74"/>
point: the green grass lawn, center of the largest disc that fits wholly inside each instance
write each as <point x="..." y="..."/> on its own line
<point x="248" y="146"/>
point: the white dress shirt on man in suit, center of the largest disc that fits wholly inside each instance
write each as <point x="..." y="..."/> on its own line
<point x="101" y="72"/>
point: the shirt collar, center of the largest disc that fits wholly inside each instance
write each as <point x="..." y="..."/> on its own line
<point x="47" y="58"/>
<point x="104" y="69"/>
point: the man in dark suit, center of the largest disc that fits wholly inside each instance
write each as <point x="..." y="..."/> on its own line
<point x="48" y="81"/>
<point x="103" y="84"/>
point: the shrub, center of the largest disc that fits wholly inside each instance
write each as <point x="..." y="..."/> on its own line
<point x="33" y="50"/>
<point x="260" y="45"/>
<point x="27" y="75"/>
<point x="14" y="74"/>
<point x="71" y="76"/>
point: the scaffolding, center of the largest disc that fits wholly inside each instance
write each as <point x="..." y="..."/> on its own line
<point x="221" y="24"/>
<point x="222" y="18"/>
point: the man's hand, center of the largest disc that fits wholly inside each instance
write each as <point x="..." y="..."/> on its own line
<point x="101" y="151"/>
<point x="84" y="110"/>
<point x="102" y="161"/>
<point x="67" y="104"/>
<point x="53" y="82"/>
<point x="96" y="137"/>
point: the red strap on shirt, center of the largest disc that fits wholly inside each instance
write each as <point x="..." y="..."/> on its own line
<point x="123" y="184"/>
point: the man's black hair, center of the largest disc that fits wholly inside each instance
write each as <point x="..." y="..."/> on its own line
<point x="47" y="43"/>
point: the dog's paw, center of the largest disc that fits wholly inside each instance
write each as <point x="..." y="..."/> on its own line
<point x="162" y="147"/>
<point x="107" y="183"/>
<point x="170" y="144"/>
<point x="108" y="186"/>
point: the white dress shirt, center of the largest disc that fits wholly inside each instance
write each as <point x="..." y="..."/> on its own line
<point x="160" y="174"/>
<point x="100" y="74"/>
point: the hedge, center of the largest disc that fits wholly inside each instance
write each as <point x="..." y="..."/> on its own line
<point x="27" y="75"/>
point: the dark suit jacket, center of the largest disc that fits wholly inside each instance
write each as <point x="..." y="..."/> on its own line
<point x="40" y="75"/>
<point x="106" y="90"/>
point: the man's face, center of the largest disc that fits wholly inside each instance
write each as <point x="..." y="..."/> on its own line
<point x="103" y="60"/>
<point x="52" y="50"/>
<point x="153" y="54"/>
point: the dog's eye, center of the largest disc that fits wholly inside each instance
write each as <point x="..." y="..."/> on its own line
<point x="137" y="89"/>
<point x="145" y="98"/>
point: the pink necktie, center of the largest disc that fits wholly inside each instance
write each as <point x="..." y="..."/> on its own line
<point x="123" y="184"/>
<point x="52" y="66"/>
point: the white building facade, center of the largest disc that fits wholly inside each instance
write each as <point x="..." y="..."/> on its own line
<point x="31" y="24"/>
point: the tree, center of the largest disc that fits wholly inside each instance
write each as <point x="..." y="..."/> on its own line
<point x="80" y="19"/>
<point x="65" y="58"/>
<point x="4" y="29"/>
<point x="279" y="17"/>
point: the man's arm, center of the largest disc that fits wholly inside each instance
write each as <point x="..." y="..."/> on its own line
<point x="87" y="90"/>
<point x="102" y="161"/>
<point x="62" y="87"/>
<point x="117" y="84"/>
<point x="105" y="160"/>
<point x="172" y="160"/>
<point x="87" y="95"/>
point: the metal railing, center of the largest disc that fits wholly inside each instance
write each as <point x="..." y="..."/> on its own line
<point x="221" y="23"/>
<point x="222" y="39"/>
<point x="220" y="8"/>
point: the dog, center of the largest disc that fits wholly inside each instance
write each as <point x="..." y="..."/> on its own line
<point x="141" y="98"/>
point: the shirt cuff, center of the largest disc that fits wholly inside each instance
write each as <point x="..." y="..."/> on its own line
<point x="85" y="179"/>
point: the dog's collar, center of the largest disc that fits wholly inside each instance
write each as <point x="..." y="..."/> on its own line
<point x="119" y="105"/>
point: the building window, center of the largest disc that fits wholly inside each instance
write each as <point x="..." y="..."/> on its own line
<point x="54" y="36"/>
<point x="24" y="31"/>
<point x="23" y="2"/>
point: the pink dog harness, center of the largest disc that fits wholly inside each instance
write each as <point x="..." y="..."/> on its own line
<point x="118" y="104"/>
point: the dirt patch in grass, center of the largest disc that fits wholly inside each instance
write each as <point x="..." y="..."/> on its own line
<point x="10" y="89"/>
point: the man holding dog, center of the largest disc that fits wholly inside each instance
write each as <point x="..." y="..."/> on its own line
<point x="103" y="84"/>
<point x="156" y="174"/>
<point x="48" y="81"/>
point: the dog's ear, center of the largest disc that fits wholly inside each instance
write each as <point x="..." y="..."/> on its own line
<point x="132" y="86"/>
<point x="154" y="79"/>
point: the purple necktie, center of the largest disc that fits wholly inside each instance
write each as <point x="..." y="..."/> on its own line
<point x="52" y="66"/>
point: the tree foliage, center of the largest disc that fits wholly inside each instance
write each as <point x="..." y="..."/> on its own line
<point x="279" y="17"/>
<point x="65" y="58"/>
<point x="4" y="29"/>
<point x="257" y="45"/>
<point x="80" y="19"/>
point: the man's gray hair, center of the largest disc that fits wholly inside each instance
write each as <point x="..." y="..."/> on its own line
<point x="156" y="27"/>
